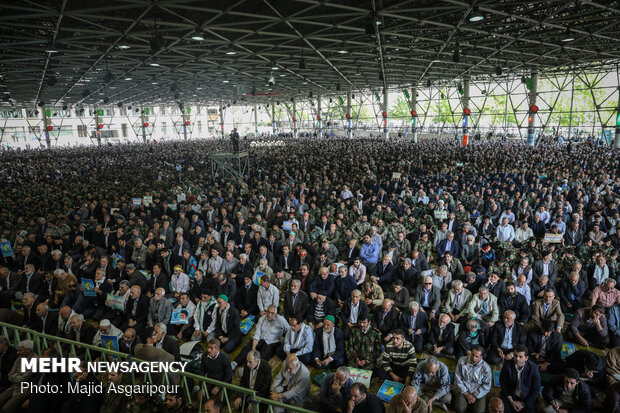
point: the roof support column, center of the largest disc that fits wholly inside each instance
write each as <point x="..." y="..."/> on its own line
<point x="222" y="119"/>
<point x="256" y="120"/>
<point x="318" y="114"/>
<point x="466" y="111"/>
<point x="414" y="103"/>
<point x="386" y="134"/>
<point x="294" y="118"/>
<point x="532" y="116"/>
<point x="617" y="136"/>
<point x="97" y="123"/>
<point x="143" y="119"/>
<point x="46" y="123"/>
<point x="273" y="118"/>
<point x="349" y="115"/>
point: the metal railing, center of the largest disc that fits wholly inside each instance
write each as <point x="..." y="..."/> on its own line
<point x="194" y="386"/>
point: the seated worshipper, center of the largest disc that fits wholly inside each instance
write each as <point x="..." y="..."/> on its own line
<point x="372" y="294"/>
<point x="364" y="346"/>
<point x="415" y="325"/>
<point x="546" y="266"/>
<point x="473" y="281"/>
<point x="225" y="325"/>
<point x="362" y="401"/>
<point x="457" y="299"/>
<point x="383" y="272"/>
<point x="589" y="327"/>
<point x="49" y="319"/>
<point x="473" y="379"/>
<point x="81" y="331"/>
<point x="267" y="337"/>
<point x="247" y="296"/>
<point x="442" y="279"/>
<point x="591" y="367"/>
<point x="299" y="341"/>
<point x="162" y="340"/>
<point x="482" y="306"/>
<point x="183" y="331"/>
<point x="523" y="289"/>
<point x="432" y="381"/>
<point x="107" y="329"/>
<point x="474" y="334"/>
<point x="267" y="295"/>
<point x="215" y="365"/>
<point x="523" y="268"/>
<point x="496" y="405"/>
<point x="86" y="402"/>
<point x="128" y="343"/>
<point x="320" y="307"/>
<point x="296" y="301"/>
<point x="115" y="315"/>
<point x="352" y="310"/>
<point x="179" y="282"/>
<point x="226" y="286"/>
<point x="386" y="319"/>
<point x="407" y="401"/>
<point x="64" y="321"/>
<point x="329" y="350"/>
<point x="448" y="244"/>
<point x="515" y="302"/>
<point x="520" y="382"/>
<point x="440" y="338"/>
<point x="281" y="280"/>
<point x="429" y="297"/>
<point x="262" y="269"/>
<point x="160" y="309"/>
<point x="565" y="393"/>
<point x="538" y="288"/>
<point x="598" y="272"/>
<point x="399" y="295"/>
<point x="159" y="279"/>
<point x="606" y="294"/>
<point x="358" y="271"/>
<point x="292" y="384"/>
<point x="203" y="316"/>
<point x="13" y="397"/>
<point x="572" y="290"/>
<point x="344" y="285"/>
<point x="614" y="325"/>
<point x="324" y="284"/>
<point x="398" y="360"/>
<point x="504" y="337"/>
<point x="136" y="309"/>
<point x="94" y="307"/>
<point x="547" y="308"/>
<point x="335" y="391"/>
<point x="256" y="376"/>
<point x="545" y="346"/>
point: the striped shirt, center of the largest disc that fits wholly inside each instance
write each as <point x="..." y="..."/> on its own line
<point x="399" y="357"/>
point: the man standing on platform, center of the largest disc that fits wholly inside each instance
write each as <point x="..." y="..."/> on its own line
<point x="234" y="137"/>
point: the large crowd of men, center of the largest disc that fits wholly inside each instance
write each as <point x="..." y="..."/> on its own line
<point x="385" y="256"/>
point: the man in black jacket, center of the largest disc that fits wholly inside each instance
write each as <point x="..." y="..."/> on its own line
<point x="225" y="325"/>
<point x="246" y="297"/>
<point x="545" y="346"/>
<point x="440" y="337"/>
<point x="364" y="402"/>
<point x="504" y="338"/>
<point x="8" y="355"/>
<point x="296" y="301"/>
<point x="511" y="300"/>
<point x="353" y="309"/>
<point x="261" y="370"/>
<point x="566" y="392"/>
<point x="136" y="309"/>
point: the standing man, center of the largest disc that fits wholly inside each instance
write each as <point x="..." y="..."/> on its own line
<point x="234" y="137"/>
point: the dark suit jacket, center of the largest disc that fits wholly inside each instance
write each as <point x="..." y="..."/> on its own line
<point x="448" y="335"/>
<point x="383" y="273"/>
<point x="262" y="384"/>
<point x="345" y="255"/>
<point x="171" y="345"/>
<point x="317" y="350"/>
<point x="87" y="333"/>
<point x="530" y="382"/>
<point x="518" y="304"/>
<point x="554" y="346"/>
<point x="36" y="283"/>
<point x="329" y="308"/>
<point x="14" y="283"/>
<point x="246" y="298"/>
<point x="345" y="310"/>
<point x="142" y="310"/>
<point x="569" y="235"/>
<point x="162" y="281"/>
<point x="582" y="401"/>
<point x="537" y="270"/>
<point x="50" y="326"/>
<point x="131" y="349"/>
<point x="6" y="363"/>
<point x="233" y="322"/>
<point x="454" y="247"/>
<point x="421" y="322"/>
<point x="385" y="324"/>
<point x="300" y="309"/>
<point x="499" y="329"/>
<point x="434" y="297"/>
<point x="290" y="261"/>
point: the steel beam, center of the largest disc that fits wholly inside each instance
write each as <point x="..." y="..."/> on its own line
<point x="531" y="120"/>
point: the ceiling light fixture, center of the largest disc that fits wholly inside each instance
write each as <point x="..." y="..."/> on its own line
<point x="476" y="16"/>
<point x="154" y="64"/>
<point x="128" y="78"/>
<point x="230" y="51"/>
<point x="124" y="47"/>
<point x="51" y="51"/>
<point x="198" y="36"/>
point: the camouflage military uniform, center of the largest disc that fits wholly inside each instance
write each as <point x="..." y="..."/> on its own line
<point x="504" y="271"/>
<point x="566" y="263"/>
<point x="462" y="216"/>
<point x="364" y="346"/>
<point x="149" y="406"/>
<point x="391" y="233"/>
<point x="424" y="247"/>
<point x="315" y="235"/>
<point x="361" y="228"/>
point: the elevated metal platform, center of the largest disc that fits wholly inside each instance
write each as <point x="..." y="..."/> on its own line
<point x="233" y="165"/>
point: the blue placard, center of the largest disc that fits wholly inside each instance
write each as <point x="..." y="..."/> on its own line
<point x="7" y="251"/>
<point x="257" y="277"/>
<point x="89" y="287"/>
<point x="247" y="324"/>
<point x="179" y="316"/>
<point x="109" y="342"/>
<point x="567" y="350"/>
<point x="115" y="260"/>
<point x="389" y="389"/>
<point x="496" y="374"/>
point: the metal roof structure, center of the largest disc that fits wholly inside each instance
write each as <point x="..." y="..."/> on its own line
<point x="158" y="51"/>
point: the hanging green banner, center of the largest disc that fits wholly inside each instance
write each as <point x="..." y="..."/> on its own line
<point x="189" y="110"/>
<point x="341" y="100"/>
<point x="377" y="96"/>
<point x="100" y="111"/>
<point x="48" y="112"/>
<point x="406" y="93"/>
<point x="146" y="111"/>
